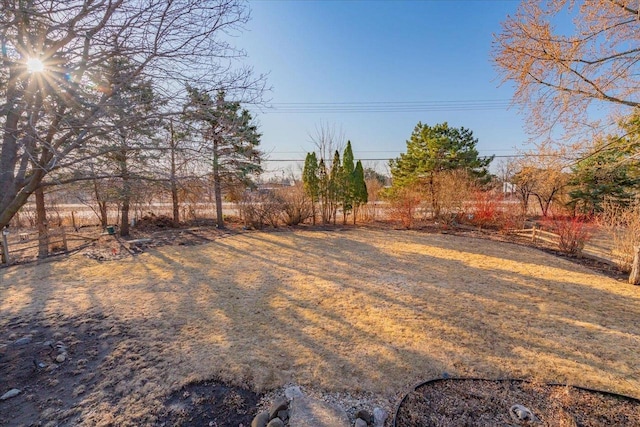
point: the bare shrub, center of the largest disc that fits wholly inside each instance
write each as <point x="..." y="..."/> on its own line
<point x="260" y="208"/>
<point x="403" y="206"/>
<point x="574" y="232"/>
<point x="623" y="223"/>
<point x="370" y="211"/>
<point x="295" y="204"/>
<point x="456" y="187"/>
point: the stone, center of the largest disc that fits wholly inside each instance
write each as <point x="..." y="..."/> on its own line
<point x="360" y="423"/>
<point x="260" y="420"/>
<point x="11" y="393"/>
<point x="23" y="341"/>
<point x="293" y="392"/>
<point x="61" y="357"/>
<point x="379" y="417"/>
<point x="283" y="415"/>
<point x="279" y="404"/>
<point x="309" y="412"/>
<point x="276" y="422"/>
<point x="364" y="415"/>
<point x="47" y="344"/>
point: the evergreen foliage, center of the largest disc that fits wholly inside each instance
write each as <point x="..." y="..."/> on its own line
<point x="360" y="195"/>
<point x="311" y="181"/>
<point x="348" y="184"/>
<point x="432" y="150"/>
<point x="343" y="186"/>
<point x="229" y="135"/>
<point x="609" y="174"/>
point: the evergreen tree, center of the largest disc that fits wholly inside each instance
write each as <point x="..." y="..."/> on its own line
<point x="432" y="150"/>
<point x="229" y="134"/>
<point x="311" y="181"/>
<point x="602" y="176"/>
<point x="360" y="194"/>
<point x="336" y="186"/>
<point x="348" y="184"/>
<point x="323" y="187"/>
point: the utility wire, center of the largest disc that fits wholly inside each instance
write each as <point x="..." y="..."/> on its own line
<point x="386" y="106"/>
<point x="504" y="156"/>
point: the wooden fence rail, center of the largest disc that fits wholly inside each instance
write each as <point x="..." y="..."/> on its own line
<point x="536" y="234"/>
<point x="56" y="241"/>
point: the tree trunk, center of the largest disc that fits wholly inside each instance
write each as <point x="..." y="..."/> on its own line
<point x="174" y="184"/>
<point x="126" y="197"/>
<point x="434" y="197"/>
<point x="634" y="277"/>
<point x="102" y="204"/>
<point x="217" y="186"/>
<point x="41" y="221"/>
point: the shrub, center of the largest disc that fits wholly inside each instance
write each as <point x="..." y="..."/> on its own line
<point x="574" y="232"/>
<point x="260" y="208"/>
<point x="403" y="204"/>
<point x="485" y="209"/>
<point x="295" y="204"/>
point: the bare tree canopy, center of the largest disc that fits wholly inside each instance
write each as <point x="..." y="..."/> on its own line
<point x="54" y="102"/>
<point x="558" y="73"/>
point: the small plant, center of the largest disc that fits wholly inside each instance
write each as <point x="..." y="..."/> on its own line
<point x="260" y="208"/>
<point x="296" y="205"/>
<point x="485" y="209"/>
<point x="403" y="206"/>
<point x="574" y="232"/>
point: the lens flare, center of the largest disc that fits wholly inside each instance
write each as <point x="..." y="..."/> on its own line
<point x="34" y="65"/>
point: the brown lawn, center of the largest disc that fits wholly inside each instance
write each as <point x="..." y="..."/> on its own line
<point x="361" y="310"/>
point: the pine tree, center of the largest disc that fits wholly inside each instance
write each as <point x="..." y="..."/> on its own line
<point x="311" y="182"/>
<point x="230" y="135"/>
<point x="336" y="178"/>
<point x="432" y="150"/>
<point x="348" y="185"/>
<point x="323" y="188"/>
<point x="360" y="195"/>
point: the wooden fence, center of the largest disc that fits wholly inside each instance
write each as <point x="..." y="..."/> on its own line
<point x="537" y="235"/>
<point x="55" y="241"/>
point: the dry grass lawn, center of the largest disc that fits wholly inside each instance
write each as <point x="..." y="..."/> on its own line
<point x="359" y="310"/>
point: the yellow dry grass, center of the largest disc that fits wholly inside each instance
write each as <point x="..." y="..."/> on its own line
<point x="363" y="310"/>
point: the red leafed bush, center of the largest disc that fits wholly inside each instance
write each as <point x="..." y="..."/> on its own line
<point x="574" y="232"/>
<point x="484" y="210"/>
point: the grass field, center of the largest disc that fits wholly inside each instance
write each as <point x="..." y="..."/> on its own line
<point x="359" y="310"/>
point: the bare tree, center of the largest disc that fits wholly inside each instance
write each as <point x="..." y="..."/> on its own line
<point x="53" y="103"/>
<point x="558" y="75"/>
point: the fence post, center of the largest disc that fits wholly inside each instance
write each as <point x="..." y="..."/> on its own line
<point x="533" y="234"/>
<point x="5" y="246"/>
<point x="634" y="277"/>
<point x="64" y="239"/>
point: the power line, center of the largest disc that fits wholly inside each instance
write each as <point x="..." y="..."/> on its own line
<point x="497" y="156"/>
<point x="386" y="106"/>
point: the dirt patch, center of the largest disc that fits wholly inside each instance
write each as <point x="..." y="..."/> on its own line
<point x="210" y="403"/>
<point x="63" y="367"/>
<point x="55" y="363"/>
<point x="492" y="403"/>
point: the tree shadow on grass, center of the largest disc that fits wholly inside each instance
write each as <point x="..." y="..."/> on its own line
<point x="364" y="311"/>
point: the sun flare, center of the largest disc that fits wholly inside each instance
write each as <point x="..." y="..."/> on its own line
<point x="34" y="65"/>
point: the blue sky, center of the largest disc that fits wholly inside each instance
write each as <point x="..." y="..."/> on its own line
<point x="379" y="51"/>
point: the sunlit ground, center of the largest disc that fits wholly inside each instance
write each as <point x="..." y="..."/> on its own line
<point x="360" y="310"/>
